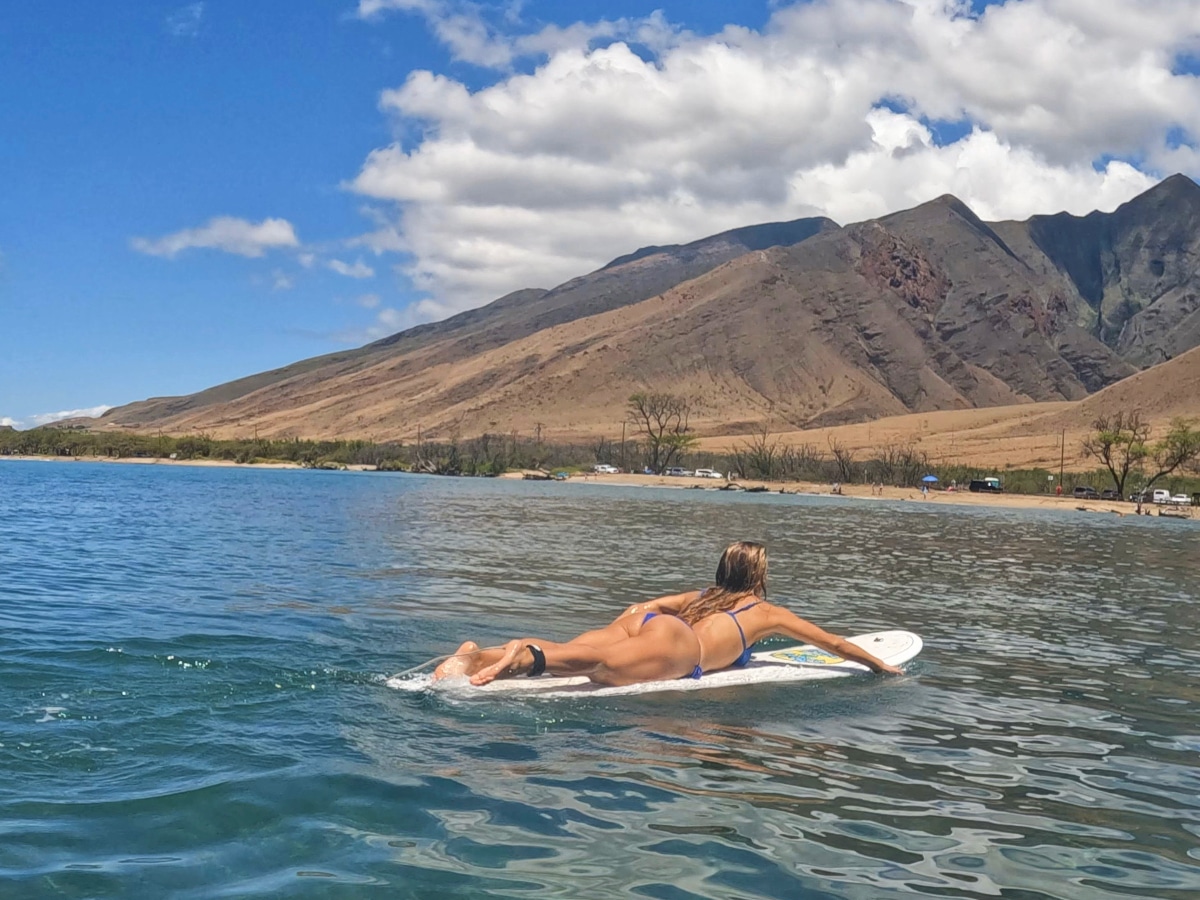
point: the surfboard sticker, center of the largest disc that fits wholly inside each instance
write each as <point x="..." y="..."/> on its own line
<point x="799" y="662"/>
<point x="807" y="656"/>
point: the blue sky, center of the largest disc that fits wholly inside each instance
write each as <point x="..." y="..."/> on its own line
<point x="197" y="192"/>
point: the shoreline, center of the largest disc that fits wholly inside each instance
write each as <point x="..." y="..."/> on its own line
<point x="158" y="461"/>
<point x="859" y="492"/>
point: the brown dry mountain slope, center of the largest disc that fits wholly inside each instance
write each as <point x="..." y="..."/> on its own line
<point x="1161" y="393"/>
<point x="928" y="309"/>
<point x="1024" y="436"/>
<point x="623" y="281"/>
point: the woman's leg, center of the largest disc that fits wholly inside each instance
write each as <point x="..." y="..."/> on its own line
<point x="619" y="630"/>
<point x="469" y="658"/>
<point x="664" y="648"/>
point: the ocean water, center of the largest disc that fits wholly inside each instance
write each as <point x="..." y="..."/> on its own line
<point x="193" y="699"/>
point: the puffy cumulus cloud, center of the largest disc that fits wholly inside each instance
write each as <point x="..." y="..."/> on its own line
<point x="9" y="422"/>
<point x="358" y="269"/>
<point x="834" y="108"/>
<point x="902" y="167"/>
<point x="225" y="233"/>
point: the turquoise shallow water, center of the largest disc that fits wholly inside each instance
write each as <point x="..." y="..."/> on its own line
<point x="192" y="701"/>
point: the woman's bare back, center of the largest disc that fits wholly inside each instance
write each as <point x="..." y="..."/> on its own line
<point x="721" y="642"/>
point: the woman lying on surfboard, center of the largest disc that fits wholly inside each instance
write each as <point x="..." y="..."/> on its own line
<point x="677" y="636"/>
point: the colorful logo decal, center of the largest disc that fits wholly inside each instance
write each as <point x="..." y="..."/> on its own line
<point x="809" y="656"/>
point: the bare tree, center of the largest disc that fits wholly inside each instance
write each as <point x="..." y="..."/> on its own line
<point x="603" y="450"/>
<point x="1120" y="441"/>
<point x="843" y="459"/>
<point x="758" y="457"/>
<point x="662" y="419"/>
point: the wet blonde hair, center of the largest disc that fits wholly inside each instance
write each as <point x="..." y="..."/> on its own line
<point x="741" y="574"/>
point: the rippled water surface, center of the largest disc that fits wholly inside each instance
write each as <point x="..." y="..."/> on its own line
<point x="192" y="667"/>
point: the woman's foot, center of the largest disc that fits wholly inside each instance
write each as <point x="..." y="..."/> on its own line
<point x="515" y="660"/>
<point x="464" y="662"/>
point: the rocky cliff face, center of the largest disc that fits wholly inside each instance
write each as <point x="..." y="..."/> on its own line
<point x="1137" y="269"/>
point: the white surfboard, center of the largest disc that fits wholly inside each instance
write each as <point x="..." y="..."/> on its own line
<point x="799" y="662"/>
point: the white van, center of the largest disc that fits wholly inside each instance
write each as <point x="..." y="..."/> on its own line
<point x="1161" y="496"/>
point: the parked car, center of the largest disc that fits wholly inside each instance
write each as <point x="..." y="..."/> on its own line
<point x="1181" y="500"/>
<point x="1139" y="497"/>
<point x="708" y="473"/>
<point x="1086" y="492"/>
<point x="985" y="485"/>
<point x="1161" y="496"/>
<point x="1110" y="494"/>
<point x="605" y="469"/>
<point x="678" y="470"/>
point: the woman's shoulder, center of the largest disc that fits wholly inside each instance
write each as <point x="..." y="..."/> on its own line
<point x="767" y="608"/>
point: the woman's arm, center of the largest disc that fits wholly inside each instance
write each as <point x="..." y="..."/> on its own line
<point x="783" y="621"/>
<point x="670" y="604"/>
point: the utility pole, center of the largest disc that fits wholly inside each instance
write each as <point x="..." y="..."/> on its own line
<point x="1062" y="459"/>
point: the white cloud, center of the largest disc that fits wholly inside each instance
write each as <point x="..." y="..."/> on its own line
<point x="185" y="21"/>
<point x="358" y="270"/>
<point x="7" y="422"/>
<point x="830" y="109"/>
<point x="90" y="412"/>
<point x="473" y="36"/>
<point x="281" y="281"/>
<point x="225" y="233"/>
<point x="386" y="238"/>
<point x="387" y="321"/>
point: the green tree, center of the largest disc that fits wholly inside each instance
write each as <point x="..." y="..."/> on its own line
<point x="1180" y="447"/>
<point x="1121" y="443"/>
<point x="662" y="419"/>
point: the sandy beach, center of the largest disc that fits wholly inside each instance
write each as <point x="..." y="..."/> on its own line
<point x="860" y="492"/>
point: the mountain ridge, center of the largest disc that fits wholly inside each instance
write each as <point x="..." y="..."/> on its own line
<point x="923" y="309"/>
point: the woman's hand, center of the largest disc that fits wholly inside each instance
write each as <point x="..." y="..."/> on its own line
<point x="885" y="669"/>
